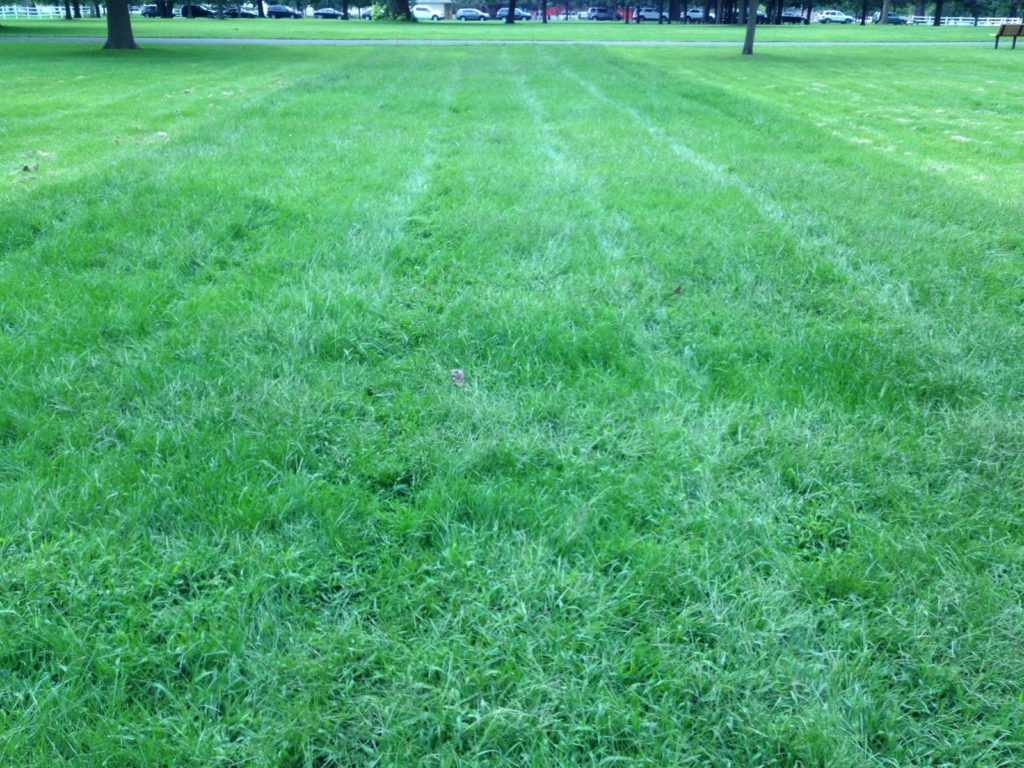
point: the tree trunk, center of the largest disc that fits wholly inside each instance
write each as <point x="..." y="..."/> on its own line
<point x="399" y="9"/>
<point x="78" y="9"/>
<point x="544" y="11"/>
<point x="344" y="9"/>
<point x="938" y="14"/>
<point x="748" y="40"/>
<point x="119" y="27"/>
<point x="673" y="10"/>
<point x="511" y="18"/>
<point x="864" y="13"/>
<point x="883" y="17"/>
<point x="67" y="10"/>
<point x="661" y="11"/>
<point x="259" y="10"/>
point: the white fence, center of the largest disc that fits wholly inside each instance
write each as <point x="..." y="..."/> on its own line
<point x="965" y="21"/>
<point x="44" y="12"/>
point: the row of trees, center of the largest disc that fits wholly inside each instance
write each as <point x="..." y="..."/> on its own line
<point x="119" y="20"/>
<point x="73" y="9"/>
<point x="733" y="11"/>
<point x="119" y="27"/>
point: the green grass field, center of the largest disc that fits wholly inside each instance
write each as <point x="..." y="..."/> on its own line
<point x="735" y="478"/>
<point x="457" y="30"/>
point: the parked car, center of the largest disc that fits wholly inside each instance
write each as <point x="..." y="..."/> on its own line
<point x="693" y="14"/>
<point x="835" y="17"/>
<point x="601" y="13"/>
<point x="650" y="14"/>
<point x="521" y="15"/>
<point x="192" y="11"/>
<point x="329" y="13"/>
<point x="793" y="17"/>
<point x="471" y="14"/>
<point x="282" y="12"/>
<point x="150" y="11"/>
<point x="893" y="18"/>
<point x="239" y="13"/>
<point x="426" y="13"/>
<point x="367" y="14"/>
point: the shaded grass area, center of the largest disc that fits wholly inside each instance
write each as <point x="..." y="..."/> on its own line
<point x="457" y="30"/>
<point x="735" y="478"/>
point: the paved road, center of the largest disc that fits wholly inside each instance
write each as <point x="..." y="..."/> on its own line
<point x="608" y="43"/>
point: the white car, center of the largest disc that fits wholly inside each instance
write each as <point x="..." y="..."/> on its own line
<point x="835" y="17"/>
<point x="650" y="14"/>
<point x="425" y="13"/>
<point x="693" y="14"/>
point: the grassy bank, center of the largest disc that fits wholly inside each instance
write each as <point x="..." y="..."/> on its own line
<point x="735" y="477"/>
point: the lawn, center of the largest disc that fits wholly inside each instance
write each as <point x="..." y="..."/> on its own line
<point x="734" y="476"/>
<point x="456" y="30"/>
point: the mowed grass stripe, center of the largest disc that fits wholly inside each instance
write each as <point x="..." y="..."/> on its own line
<point x="984" y="427"/>
<point x="209" y="258"/>
<point x="816" y="223"/>
<point x="163" y="306"/>
<point x="161" y="205"/>
<point x="719" y="199"/>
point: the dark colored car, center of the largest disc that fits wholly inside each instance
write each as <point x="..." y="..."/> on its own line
<point x="192" y="11"/>
<point x="282" y="12"/>
<point x="329" y="13"/>
<point x="893" y="18"/>
<point x="239" y="13"/>
<point x="521" y="15"/>
<point x="793" y="17"/>
<point x="149" y="11"/>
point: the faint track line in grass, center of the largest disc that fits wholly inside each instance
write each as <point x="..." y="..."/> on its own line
<point x="388" y="231"/>
<point x="874" y="289"/>
<point x="611" y="234"/>
<point x="807" y="240"/>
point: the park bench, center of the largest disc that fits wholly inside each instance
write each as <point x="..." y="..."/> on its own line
<point x="1009" y="30"/>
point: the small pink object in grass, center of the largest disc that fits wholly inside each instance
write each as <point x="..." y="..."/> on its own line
<point x="458" y="377"/>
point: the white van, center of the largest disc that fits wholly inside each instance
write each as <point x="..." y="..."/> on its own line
<point x="425" y="13"/>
